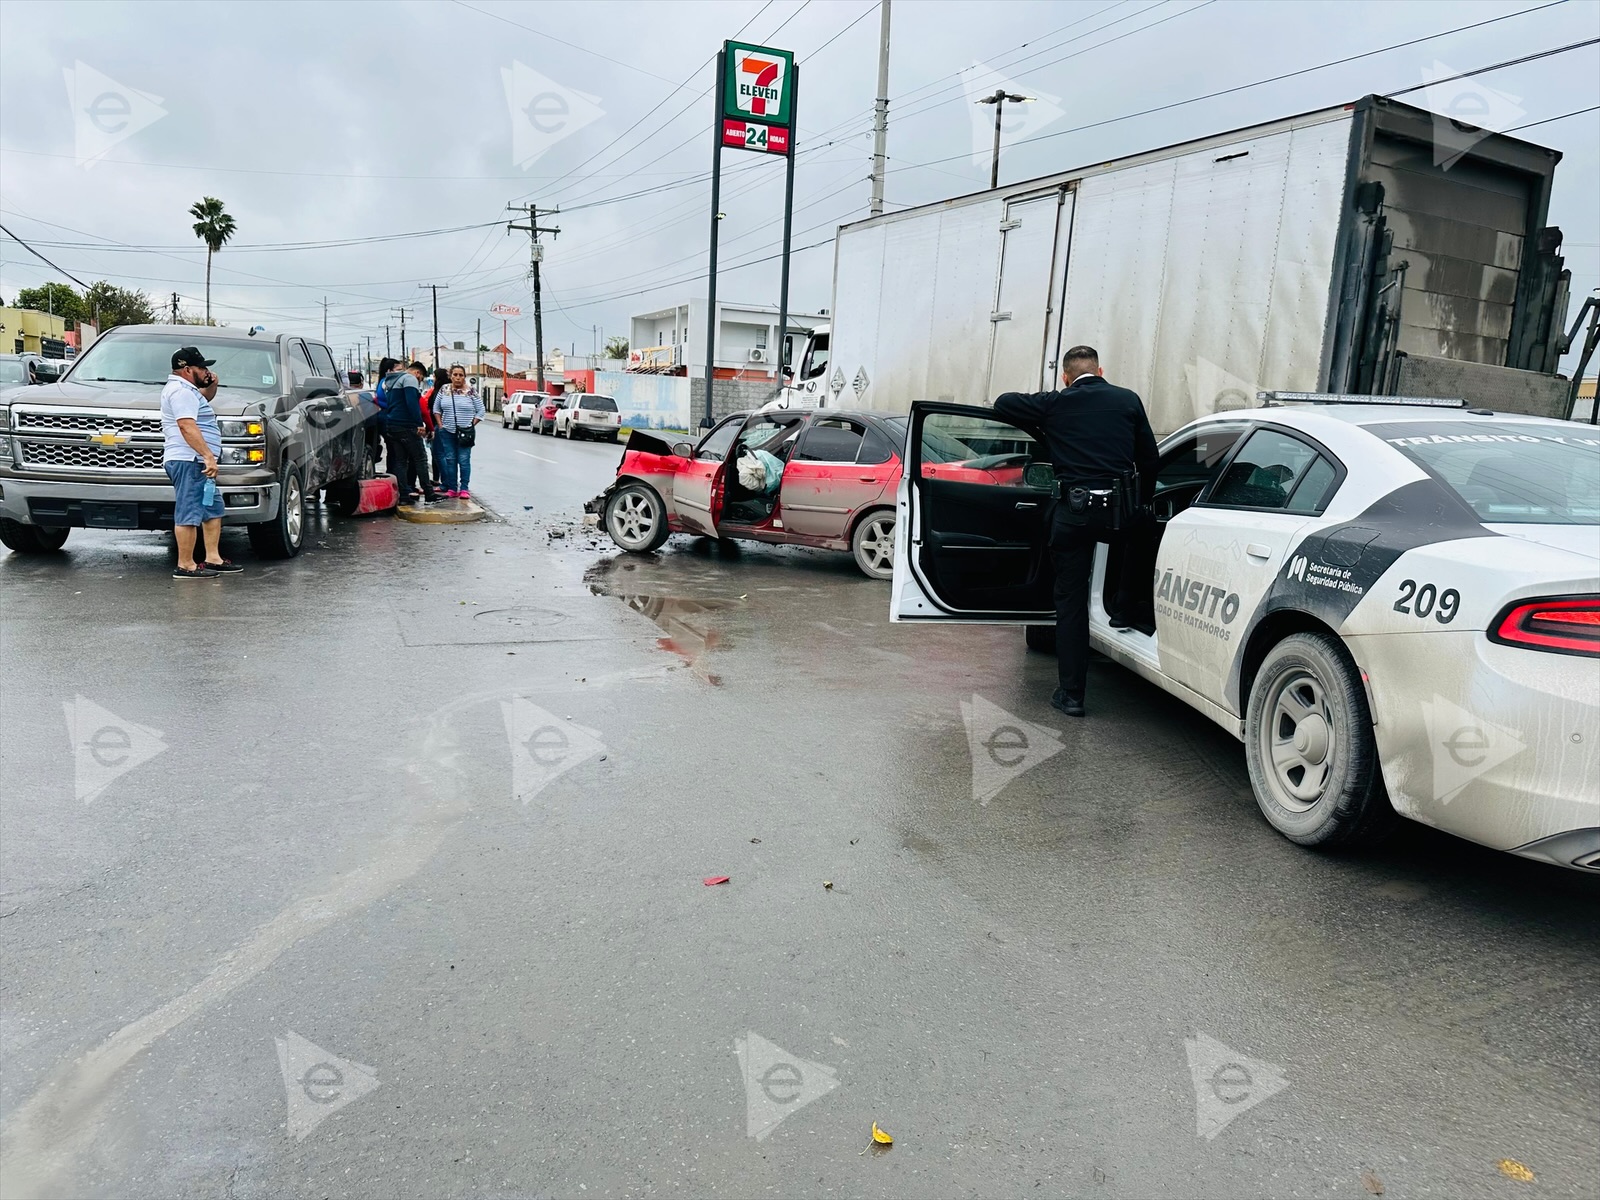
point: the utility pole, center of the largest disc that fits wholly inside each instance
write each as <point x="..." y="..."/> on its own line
<point x="388" y="350"/>
<point x="535" y="257"/>
<point x="999" y="101"/>
<point x="477" y="347"/>
<point x="435" y="287"/>
<point x="324" y="320"/>
<point x="367" y="374"/>
<point x="405" y="354"/>
<point x="174" y="308"/>
<point x="880" y="118"/>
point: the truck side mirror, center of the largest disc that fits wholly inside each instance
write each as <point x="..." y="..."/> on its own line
<point x="683" y="449"/>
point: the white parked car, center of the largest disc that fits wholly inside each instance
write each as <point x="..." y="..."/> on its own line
<point x="1396" y="606"/>
<point x="589" y="416"/>
<point x="521" y="408"/>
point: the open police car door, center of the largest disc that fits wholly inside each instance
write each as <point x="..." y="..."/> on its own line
<point x="973" y="527"/>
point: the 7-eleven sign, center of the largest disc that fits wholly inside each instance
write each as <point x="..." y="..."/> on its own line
<point x="759" y="84"/>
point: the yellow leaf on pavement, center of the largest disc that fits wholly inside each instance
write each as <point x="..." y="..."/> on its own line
<point x="1512" y="1169"/>
<point x="883" y="1139"/>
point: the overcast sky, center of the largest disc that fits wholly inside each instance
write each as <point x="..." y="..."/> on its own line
<point x="331" y="122"/>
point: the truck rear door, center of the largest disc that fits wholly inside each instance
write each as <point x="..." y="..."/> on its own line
<point x="1024" y="343"/>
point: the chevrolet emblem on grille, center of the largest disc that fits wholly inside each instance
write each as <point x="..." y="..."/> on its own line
<point x="108" y="437"/>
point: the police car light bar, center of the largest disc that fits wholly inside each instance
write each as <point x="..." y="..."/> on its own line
<point x="1268" y="399"/>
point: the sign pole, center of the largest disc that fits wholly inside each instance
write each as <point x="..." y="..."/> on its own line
<point x="788" y="222"/>
<point x="716" y="219"/>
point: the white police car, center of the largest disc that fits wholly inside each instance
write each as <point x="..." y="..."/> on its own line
<point x="1394" y="604"/>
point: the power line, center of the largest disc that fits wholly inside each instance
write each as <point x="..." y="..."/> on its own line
<point x="552" y="37"/>
<point x="871" y="8"/>
<point x="1261" y="83"/>
<point x="1577" y="112"/>
<point x="1510" y="62"/>
<point x="654" y="108"/>
<point x="43" y="259"/>
<point x="166" y="166"/>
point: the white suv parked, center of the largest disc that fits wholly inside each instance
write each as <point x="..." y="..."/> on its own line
<point x="591" y="416"/>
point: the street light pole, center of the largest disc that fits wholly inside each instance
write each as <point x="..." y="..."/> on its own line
<point x="999" y="101"/>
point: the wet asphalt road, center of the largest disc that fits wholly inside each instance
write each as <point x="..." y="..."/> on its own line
<point x="393" y="887"/>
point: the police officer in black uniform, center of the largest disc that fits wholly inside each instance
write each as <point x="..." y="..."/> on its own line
<point x="1097" y="434"/>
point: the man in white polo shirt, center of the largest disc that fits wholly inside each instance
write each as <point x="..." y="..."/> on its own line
<point x="191" y="443"/>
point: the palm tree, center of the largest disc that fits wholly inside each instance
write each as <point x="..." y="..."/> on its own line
<point x="214" y="227"/>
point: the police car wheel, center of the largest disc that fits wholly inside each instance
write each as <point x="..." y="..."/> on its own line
<point x="1309" y="746"/>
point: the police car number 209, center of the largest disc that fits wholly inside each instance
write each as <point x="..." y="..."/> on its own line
<point x="1396" y="607"/>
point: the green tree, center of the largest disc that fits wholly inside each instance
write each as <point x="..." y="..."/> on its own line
<point x="56" y="298"/>
<point x="117" y="306"/>
<point x="214" y="227"/>
<point x="616" y="347"/>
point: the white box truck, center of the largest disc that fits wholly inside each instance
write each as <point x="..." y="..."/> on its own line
<point x="1372" y="248"/>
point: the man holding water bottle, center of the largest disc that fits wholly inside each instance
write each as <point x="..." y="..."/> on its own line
<point x="191" y="443"/>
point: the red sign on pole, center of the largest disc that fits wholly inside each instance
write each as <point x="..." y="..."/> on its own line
<point x="751" y="135"/>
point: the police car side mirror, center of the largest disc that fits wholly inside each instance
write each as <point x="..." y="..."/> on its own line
<point x="1039" y="475"/>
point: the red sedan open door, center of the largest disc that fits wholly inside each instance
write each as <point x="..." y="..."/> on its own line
<point x="697" y="491"/>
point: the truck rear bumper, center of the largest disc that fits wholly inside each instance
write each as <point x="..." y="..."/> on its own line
<point x="122" y="505"/>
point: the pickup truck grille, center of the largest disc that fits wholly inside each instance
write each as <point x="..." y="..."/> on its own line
<point x="86" y="440"/>
<point x="90" y="457"/>
<point x="68" y="422"/>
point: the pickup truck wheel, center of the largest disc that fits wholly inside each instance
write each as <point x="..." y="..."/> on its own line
<point x="1309" y="746"/>
<point x="636" y="518"/>
<point x="284" y="535"/>
<point x="873" y="544"/>
<point x="32" y="539"/>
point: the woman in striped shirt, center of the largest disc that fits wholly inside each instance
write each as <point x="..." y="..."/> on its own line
<point x="458" y="409"/>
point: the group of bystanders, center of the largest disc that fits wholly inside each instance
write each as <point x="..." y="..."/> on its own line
<point x="417" y="412"/>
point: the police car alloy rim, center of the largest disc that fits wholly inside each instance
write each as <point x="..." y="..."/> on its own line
<point x="1299" y="740"/>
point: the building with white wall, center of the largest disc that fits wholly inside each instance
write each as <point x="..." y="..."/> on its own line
<point x="673" y="340"/>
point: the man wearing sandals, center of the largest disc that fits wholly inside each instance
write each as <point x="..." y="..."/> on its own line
<point x="191" y="442"/>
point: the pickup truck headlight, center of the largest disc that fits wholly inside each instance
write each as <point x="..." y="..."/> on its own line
<point x="241" y="455"/>
<point x="240" y="427"/>
<point x="5" y="418"/>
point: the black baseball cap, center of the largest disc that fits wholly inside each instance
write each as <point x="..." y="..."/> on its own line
<point x="190" y="356"/>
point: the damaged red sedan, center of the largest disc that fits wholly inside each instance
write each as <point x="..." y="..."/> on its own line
<point x="811" y="477"/>
<point x="820" y="478"/>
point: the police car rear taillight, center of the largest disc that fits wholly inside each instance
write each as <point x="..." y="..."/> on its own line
<point x="1562" y="624"/>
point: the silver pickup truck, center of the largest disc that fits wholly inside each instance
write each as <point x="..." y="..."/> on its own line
<point x="86" y="451"/>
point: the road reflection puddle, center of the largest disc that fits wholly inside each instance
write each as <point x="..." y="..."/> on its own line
<point x="687" y="623"/>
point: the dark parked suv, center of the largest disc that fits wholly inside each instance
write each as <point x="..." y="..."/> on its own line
<point x="87" y="451"/>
